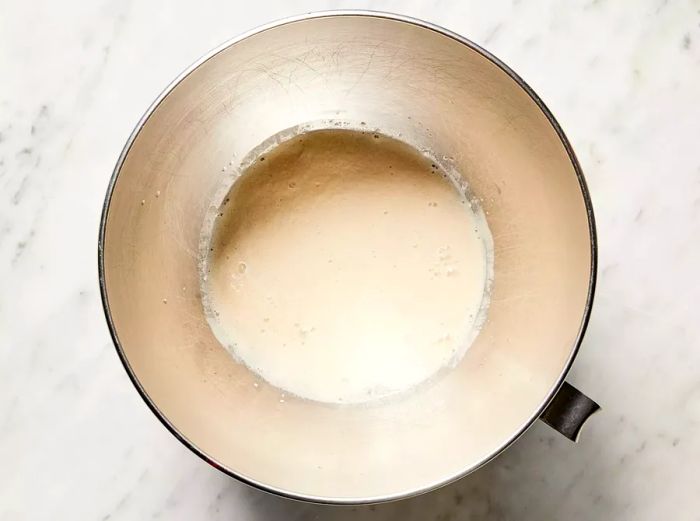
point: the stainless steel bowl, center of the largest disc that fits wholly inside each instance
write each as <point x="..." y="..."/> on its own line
<point x="440" y="91"/>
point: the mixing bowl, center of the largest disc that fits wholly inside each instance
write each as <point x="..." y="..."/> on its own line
<point x="440" y="92"/>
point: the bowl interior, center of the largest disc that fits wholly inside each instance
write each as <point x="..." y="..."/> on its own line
<point x="438" y="93"/>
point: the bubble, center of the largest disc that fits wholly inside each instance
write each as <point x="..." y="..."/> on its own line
<point x="242" y="267"/>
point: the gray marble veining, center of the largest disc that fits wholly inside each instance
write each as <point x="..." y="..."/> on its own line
<point x="76" y="442"/>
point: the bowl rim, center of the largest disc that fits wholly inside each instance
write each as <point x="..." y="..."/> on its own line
<point x="327" y="499"/>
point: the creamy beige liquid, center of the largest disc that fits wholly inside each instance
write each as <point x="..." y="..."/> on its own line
<point x="345" y="267"/>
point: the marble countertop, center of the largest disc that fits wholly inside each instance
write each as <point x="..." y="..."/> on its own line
<point x="77" y="442"/>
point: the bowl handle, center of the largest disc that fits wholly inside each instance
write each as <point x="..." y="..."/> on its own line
<point x="568" y="411"/>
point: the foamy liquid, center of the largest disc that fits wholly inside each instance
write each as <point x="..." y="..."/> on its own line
<point x="345" y="267"/>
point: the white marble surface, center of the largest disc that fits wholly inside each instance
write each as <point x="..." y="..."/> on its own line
<point x="76" y="441"/>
